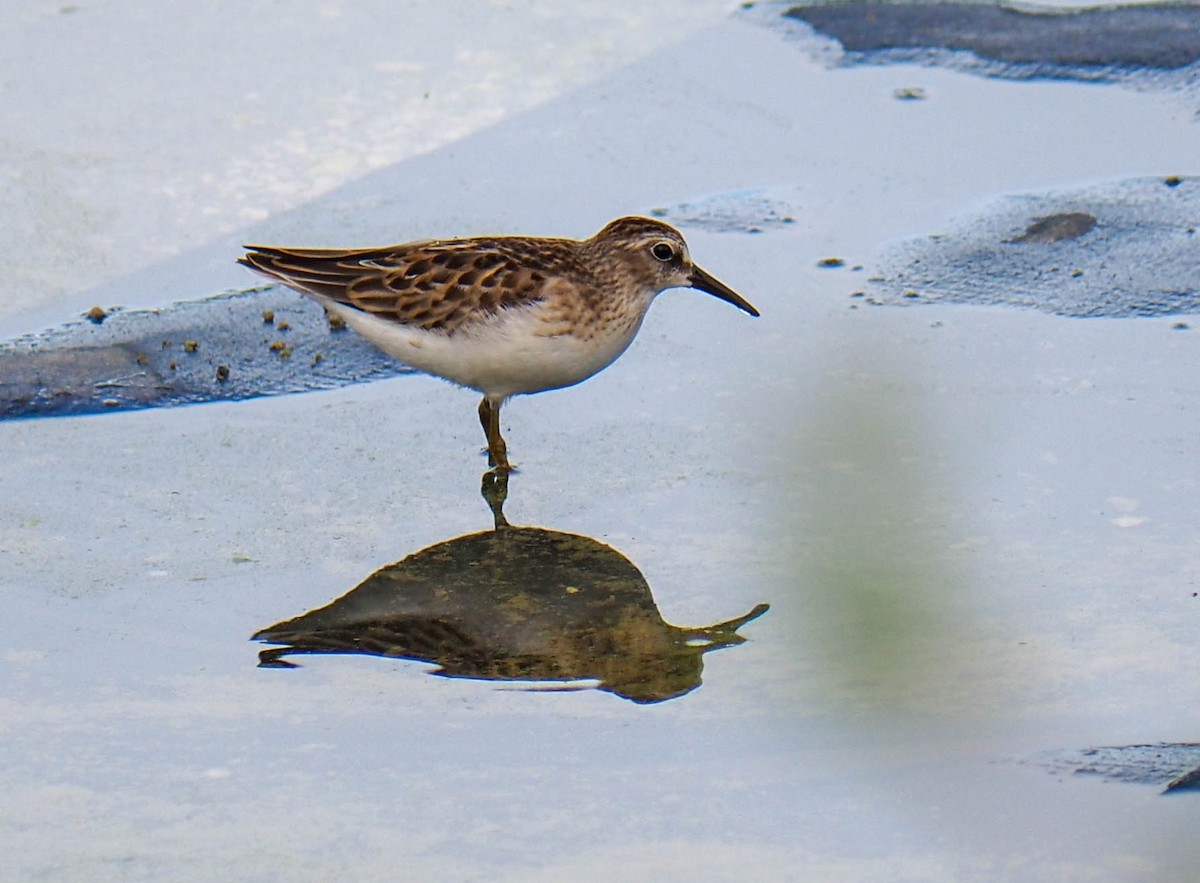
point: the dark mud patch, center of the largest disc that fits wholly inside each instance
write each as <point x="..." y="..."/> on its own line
<point x="753" y="210"/>
<point x="1025" y="42"/>
<point x="1117" y="250"/>
<point x="260" y="342"/>
<point x="1174" y="767"/>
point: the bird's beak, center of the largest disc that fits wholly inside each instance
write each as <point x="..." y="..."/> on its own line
<point x="714" y="286"/>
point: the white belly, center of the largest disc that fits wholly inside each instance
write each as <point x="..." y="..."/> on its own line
<point x="503" y="358"/>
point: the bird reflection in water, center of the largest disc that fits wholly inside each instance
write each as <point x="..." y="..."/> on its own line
<point x="518" y="604"/>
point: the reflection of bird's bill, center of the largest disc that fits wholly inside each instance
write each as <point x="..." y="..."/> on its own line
<point x="702" y="281"/>
<point x="723" y="634"/>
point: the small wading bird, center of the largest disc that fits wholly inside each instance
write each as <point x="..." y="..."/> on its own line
<point x="503" y="315"/>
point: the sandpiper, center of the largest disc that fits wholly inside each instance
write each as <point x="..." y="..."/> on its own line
<point x="502" y="315"/>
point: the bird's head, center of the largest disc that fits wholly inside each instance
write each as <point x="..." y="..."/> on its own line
<point x="657" y="255"/>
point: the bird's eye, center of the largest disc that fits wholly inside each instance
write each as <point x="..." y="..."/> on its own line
<point x="663" y="251"/>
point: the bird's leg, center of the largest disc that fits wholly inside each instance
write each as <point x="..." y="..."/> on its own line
<point x="489" y="417"/>
<point x="495" y="490"/>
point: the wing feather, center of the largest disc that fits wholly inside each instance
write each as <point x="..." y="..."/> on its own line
<point x="432" y="284"/>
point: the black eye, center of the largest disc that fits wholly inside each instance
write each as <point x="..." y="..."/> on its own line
<point x="663" y="251"/>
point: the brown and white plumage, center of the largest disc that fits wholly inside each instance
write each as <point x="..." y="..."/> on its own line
<point x="504" y="315"/>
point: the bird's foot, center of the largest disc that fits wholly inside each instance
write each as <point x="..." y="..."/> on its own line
<point x="499" y="465"/>
<point x="498" y="457"/>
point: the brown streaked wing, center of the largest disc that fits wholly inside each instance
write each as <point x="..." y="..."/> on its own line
<point x="446" y="285"/>
<point x="324" y="271"/>
<point x="431" y="285"/>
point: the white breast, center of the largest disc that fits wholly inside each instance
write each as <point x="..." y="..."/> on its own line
<point x="502" y="357"/>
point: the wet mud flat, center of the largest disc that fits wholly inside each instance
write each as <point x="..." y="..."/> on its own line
<point x="1118" y="249"/>
<point x="1020" y="41"/>
<point x="1175" y="768"/>
<point x="262" y="341"/>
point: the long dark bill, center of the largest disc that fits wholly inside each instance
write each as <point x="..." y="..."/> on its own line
<point x="714" y="286"/>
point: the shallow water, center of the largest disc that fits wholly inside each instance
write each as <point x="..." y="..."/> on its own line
<point x="975" y="527"/>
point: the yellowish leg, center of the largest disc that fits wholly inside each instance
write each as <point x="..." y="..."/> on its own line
<point x="489" y="418"/>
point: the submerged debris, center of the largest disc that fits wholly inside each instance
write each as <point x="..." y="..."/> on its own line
<point x="1056" y="228"/>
